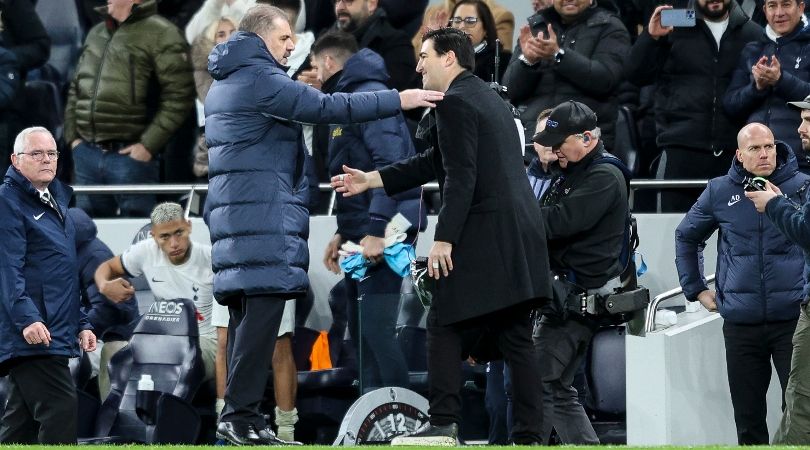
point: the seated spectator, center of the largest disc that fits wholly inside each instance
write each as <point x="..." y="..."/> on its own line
<point x="773" y="70"/>
<point x="112" y="322"/>
<point x="437" y="16"/>
<point x="690" y="68"/>
<point x="574" y="52"/>
<point x="23" y="36"/>
<point x="132" y="90"/>
<point x="474" y="18"/>
<point x="371" y="28"/>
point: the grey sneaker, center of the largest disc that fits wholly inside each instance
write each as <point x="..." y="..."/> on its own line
<point x="431" y="436"/>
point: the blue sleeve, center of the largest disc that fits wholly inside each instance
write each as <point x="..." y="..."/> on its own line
<point x="690" y="240"/>
<point x="791" y="86"/>
<point x="281" y="97"/>
<point x="13" y="295"/>
<point x="742" y="96"/>
<point x="791" y="220"/>
<point x="384" y="142"/>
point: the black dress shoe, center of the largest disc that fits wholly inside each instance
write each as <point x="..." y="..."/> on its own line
<point x="430" y="435"/>
<point x="237" y="433"/>
<point x="267" y="437"/>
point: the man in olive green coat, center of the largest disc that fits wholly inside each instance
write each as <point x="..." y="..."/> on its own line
<point x="132" y="90"/>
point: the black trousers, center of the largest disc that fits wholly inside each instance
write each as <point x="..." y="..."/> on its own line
<point x="510" y="331"/>
<point x="749" y="350"/>
<point x="678" y="163"/>
<point x="252" y="332"/>
<point x="42" y="405"/>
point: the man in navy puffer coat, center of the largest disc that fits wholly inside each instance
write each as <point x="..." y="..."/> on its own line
<point x="363" y="218"/>
<point x="256" y="205"/>
<point x="759" y="273"/>
<point x="773" y="70"/>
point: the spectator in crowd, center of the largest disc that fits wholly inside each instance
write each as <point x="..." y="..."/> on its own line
<point x="256" y="205"/>
<point x="132" y="89"/>
<point x="371" y="28"/>
<point x="438" y="16"/>
<point x="474" y="18"/>
<point x="42" y="321"/>
<point x="211" y="12"/>
<point x="217" y="32"/>
<point x="539" y="170"/>
<point x="538" y="5"/>
<point x="759" y="274"/>
<point x="772" y="70"/>
<point x="790" y="217"/>
<point x="488" y="256"/>
<point x="25" y="45"/>
<point x="585" y="214"/>
<point x="574" y="52"/>
<point x="112" y="322"/>
<point x="755" y="9"/>
<point x="363" y="219"/>
<point x="178" y="12"/>
<point x="690" y="68"/>
<point x="174" y="267"/>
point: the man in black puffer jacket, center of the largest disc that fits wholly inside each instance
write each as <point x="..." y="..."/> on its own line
<point x="575" y="52"/>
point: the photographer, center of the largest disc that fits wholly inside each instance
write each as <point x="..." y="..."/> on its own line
<point x="584" y="212"/>
<point x="759" y="273"/>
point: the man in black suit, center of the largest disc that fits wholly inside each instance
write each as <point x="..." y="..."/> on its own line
<point x="489" y="255"/>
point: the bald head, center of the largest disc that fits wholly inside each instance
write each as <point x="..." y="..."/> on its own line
<point x="756" y="149"/>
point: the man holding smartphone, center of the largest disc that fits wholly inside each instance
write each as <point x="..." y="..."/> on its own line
<point x="690" y="67"/>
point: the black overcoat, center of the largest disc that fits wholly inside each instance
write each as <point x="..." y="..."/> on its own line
<point x="488" y="211"/>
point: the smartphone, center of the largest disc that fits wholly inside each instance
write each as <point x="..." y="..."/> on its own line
<point x="538" y="24"/>
<point x="678" y="17"/>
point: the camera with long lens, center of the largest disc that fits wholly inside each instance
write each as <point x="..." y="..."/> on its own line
<point x="754" y="184"/>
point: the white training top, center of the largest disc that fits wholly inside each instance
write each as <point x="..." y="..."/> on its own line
<point x="193" y="279"/>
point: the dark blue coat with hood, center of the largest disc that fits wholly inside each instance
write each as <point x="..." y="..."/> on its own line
<point x="111" y="321"/>
<point x="257" y="194"/>
<point x="759" y="271"/>
<point x="370" y="146"/>
<point x="769" y="106"/>
<point x="39" y="280"/>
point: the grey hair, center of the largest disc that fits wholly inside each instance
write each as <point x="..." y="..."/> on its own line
<point x="259" y="19"/>
<point x="167" y="212"/>
<point x="596" y="133"/>
<point x="21" y="141"/>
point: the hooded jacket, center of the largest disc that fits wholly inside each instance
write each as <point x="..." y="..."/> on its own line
<point x="370" y="146"/>
<point x="38" y="273"/>
<point x="769" y="106"/>
<point x="133" y="82"/>
<point x="759" y="271"/>
<point x="111" y="321"/>
<point x="691" y="75"/>
<point x="257" y="193"/>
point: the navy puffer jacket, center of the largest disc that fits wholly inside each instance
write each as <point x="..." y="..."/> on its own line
<point x="769" y="106"/>
<point x="370" y="146"/>
<point x="257" y="195"/>
<point x="111" y="321"/>
<point x="759" y="271"/>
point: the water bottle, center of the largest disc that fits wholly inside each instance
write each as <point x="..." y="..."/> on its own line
<point x="146" y="383"/>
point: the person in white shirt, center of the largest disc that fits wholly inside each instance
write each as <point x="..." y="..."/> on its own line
<point x="176" y="267"/>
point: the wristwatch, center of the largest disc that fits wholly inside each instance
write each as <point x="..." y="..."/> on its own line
<point x="523" y="59"/>
<point x="559" y="55"/>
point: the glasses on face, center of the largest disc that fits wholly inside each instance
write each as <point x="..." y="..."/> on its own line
<point x="464" y="21"/>
<point x="39" y="155"/>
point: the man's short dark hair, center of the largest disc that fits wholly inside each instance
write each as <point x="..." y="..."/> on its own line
<point x="452" y="39"/>
<point x="341" y="44"/>
<point x="287" y="5"/>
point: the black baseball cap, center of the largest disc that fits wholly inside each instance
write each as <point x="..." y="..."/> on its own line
<point x="803" y="104"/>
<point x="566" y="119"/>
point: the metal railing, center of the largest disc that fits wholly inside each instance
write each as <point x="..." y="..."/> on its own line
<point x="652" y="310"/>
